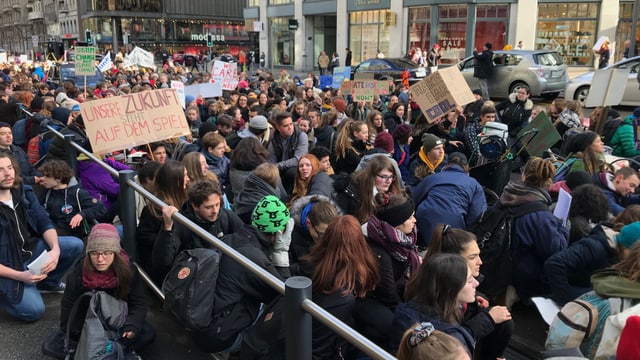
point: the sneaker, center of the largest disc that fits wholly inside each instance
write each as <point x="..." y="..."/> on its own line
<point x="51" y="289"/>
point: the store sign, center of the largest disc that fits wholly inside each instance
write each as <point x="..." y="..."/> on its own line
<point x="203" y="37"/>
<point x="362" y="5"/>
<point x="293" y="24"/>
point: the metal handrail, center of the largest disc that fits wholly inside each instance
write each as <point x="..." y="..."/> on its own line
<point x="311" y="308"/>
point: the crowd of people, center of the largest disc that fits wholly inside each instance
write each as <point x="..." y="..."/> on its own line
<point x="369" y="200"/>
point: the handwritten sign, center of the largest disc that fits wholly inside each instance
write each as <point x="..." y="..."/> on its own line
<point x="85" y="60"/>
<point x="226" y="73"/>
<point x="207" y="90"/>
<point x="382" y="87"/>
<point x="440" y="92"/>
<point x="363" y="90"/>
<point x="134" y="119"/>
<point x="543" y="135"/>
<point x="345" y="87"/>
<point x="179" y="86"/>
<point x="340" y="74"/>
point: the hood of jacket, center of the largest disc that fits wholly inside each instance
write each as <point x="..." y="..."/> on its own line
<point x="517" y="193"/>
<point x="608" y="283"/>
<point x="528" y="104"/>
<point x="299" y="204"/>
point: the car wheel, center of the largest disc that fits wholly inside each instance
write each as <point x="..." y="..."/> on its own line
<point x="517" y="85"/>
<point x="581" y="95"/>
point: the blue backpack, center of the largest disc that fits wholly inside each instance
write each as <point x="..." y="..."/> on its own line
<point x="563" y="170"/>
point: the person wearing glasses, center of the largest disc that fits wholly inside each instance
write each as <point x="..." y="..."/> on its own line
<point x="106" y="267"/>
<point x="516" y="110"/>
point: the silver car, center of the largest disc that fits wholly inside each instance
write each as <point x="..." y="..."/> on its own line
<point x="578" y="87"/>
<point x="542" y="71"/>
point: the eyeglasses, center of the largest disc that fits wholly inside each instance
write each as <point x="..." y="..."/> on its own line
<point x="104" y="254"/>
<point x="319" y="233"/>
<point x="386" y="177"/>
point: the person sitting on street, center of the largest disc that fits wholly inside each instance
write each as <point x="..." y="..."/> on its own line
<point x="429" y="160"/>
<point x="619" y="188"/>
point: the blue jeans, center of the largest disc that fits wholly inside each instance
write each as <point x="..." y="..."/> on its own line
<point x="31" y="307"/>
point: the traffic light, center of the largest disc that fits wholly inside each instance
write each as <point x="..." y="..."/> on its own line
<point x="87" y="35"/>
<point x="209" y="40"/>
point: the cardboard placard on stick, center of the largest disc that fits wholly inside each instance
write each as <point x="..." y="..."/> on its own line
<point x="440" y="92"/>
<point x="363" y="90"/>
<point x="605" y="87"/>
<point x="543" y="135"/>
<point x="85" y="60"/>
<point x="125" y="121"/>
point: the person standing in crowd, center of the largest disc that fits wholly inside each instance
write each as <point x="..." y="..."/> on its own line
<point x="347" y="57"/>
<point x="287" y="147"/>
<point x="28" y="232"/>
<point x="323" y="62"/>
<point x="483" y="68"/>
<point x="470" y="136"/>
<point x="605" y="55"/>
<point x="334" y="63"/>
<point x="627" y="53"/>
<point x="433" y="58"/>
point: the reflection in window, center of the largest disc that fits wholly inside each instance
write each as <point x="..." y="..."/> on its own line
<point x="282" y="42"/>
<point x="367" y="34"/>
<point x="127" y="5"/>
<point x="420" y="28"/>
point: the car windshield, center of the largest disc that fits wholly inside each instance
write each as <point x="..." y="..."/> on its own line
<point x="403" y="63"/>
<point x="69" y="72"/>
<point x="548" y="59"/>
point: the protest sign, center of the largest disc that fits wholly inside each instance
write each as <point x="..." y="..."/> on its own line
<point x="541" y="135"/>
<point x="85" y="61"/>
<point x="340" y="74"/>
<point x="382" y="87"/>
<point x="363" y="90"/>
<point x="345" y="87"/>
<point x="179" y="86"/>
<point x="206" y="90"/>
<point x="225" y="73"/>
<point x="129" y="120"/>
<point x="139" y="57"/>
<point x="440" y="92"/>
<point x="605" y="87"/>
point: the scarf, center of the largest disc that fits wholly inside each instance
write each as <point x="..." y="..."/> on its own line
<point x="92" y="279"/>
<point x="401" y="246"/>
<point x="517" y="193"/>
<point x="427" y="162"/>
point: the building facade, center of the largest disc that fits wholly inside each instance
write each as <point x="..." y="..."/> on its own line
<point x="292" y="33"/>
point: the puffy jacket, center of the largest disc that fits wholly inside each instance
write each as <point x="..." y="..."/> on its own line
<point x="515" y="113"/>
<point x="98" y="182"/>
<point x="569" y="271"/>
<point x="623" y="142"/>
<point x="449" y="197"/>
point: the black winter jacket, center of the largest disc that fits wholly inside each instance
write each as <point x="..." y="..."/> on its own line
<point x="62" y="205"/>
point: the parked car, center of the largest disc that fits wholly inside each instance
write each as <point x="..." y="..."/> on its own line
<point x="578" y="87"/>
<point x="542" y="71"/>
<point x="390" y="68"/>
<point x="60" y="72"/>
<point x="226" y="58"/>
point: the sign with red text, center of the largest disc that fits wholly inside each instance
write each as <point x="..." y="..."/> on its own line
<point x="440" y="92"/>
<point x="226" y="73"/>
<point x="179" y="86"/>
<point x="125" y="121"/>
<point x="363" y="90"/>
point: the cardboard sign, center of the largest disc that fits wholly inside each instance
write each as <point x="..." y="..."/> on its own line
<point x="345" y="87"/>
<point x="440" y="92"/>
<point x="225" y="73"/>
<point x="542" y="134"/>
<point x="382" y="87"/>
<point x="605" y="87"/>
<point x="85" y="62"/>
<point x="207" y="90"/>
<point x="340" y="74"/>
<point x="179" y="86"/>
<point x="139" y="57"/>
<point x="125" y="121"/>
<point x="363" y="90"/>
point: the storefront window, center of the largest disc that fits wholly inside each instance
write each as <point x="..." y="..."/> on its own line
<point x="367" y="34"/>
<point x="420" y="28"/>
<point x="452" y="32"/>
<point x="141" y="6"/>
<point x="624" y="30"/>
<point x="279" y="2"/>
<point x="570" y="29"/>
<point x="282" y="42"/>
<point x="253" y="3"/>
<point x="491" y="25"/>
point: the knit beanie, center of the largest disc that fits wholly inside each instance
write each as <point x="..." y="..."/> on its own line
<point x="340" y="104"/>
<point x="384" y="141"/>
<point x="629" y="235"/>
<point x="396" y="215"/>
<point x="402" y="132"/>
<point x="103" y="237"/>
<point x="37" y="103"/>
<point x="629" y="346"/>
<point x="581" y="141"/>
<point x="429" y="141"/>
<point x="270" y="215"/>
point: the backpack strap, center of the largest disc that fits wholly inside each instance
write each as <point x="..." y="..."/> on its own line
<point x="80" y="305"/>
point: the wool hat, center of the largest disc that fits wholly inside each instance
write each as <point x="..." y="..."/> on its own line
<point x="270" y="215"/>
<point x="61" y="114"/>
<point x="259" y="122"/>
<point x="384" y="141"/>
<point x="429" y="141"/>
<point x="629" y="235"/>
<point x="103" y="237"/>
<point x="581" y="141"/>
<point x="396" y="215"/>
<point x="339" y="104"/>
<point x="4" y="124"/>
<point x="61" y="98"/>
<point x="188" y="99"/>
<point x="75" y="108"/>
<point x="628" y="346"/>
<point x="37" y="103"/>
<point x="402" y="132"/>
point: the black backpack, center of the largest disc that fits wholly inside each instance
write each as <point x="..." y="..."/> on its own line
<point x="610" y="128"/>
<point x="189" y="287"/>
<point x="493" y="229"/>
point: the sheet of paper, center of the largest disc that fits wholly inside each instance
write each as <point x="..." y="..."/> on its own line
<point x="562" y="207"/>
<point x="36" y="265"/>
<point x="547" y="308"/>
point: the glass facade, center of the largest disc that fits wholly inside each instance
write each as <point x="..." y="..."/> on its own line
<point x="282" y="41"/>
<point x="491" y="25"/>
<point x="624" y="30"/>
<point x="368" y="34"/>
<point x="138" y="6"/>
<point x="452" y="32"/>
<point x="570" y="29"/>
<point x="420" y="27"/>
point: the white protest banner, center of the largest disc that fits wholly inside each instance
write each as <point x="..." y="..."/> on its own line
<point x="226" y="73"/>
<point x="207" y="90"/>
<point x="139" y="57"/>
<point x="179" y="86"/>
<point x="125" y="121"/>
<point x="440" y="92"/>
<point x="85" y="62"/>
<point x="106" y="63"/>
<point x="362" y="90"/>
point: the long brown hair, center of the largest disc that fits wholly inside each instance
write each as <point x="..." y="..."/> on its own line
<point x="345" y="137"/>
<point x="301" y="186"/>
<point x="122" y="270"/>
<point x="366" y="180"/>
<point x="169" y="186"/>
<point x="629" y="267"/>
<point x="191" y="162"/>
<point x="343" y="262"/>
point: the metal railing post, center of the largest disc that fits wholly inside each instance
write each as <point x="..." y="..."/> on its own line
<point x="297" y="321"/>
<point x="128" y="213"/>
<point x="70" y="153"/>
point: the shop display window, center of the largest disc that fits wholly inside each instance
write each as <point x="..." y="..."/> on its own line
<point x="571" y="38"/>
